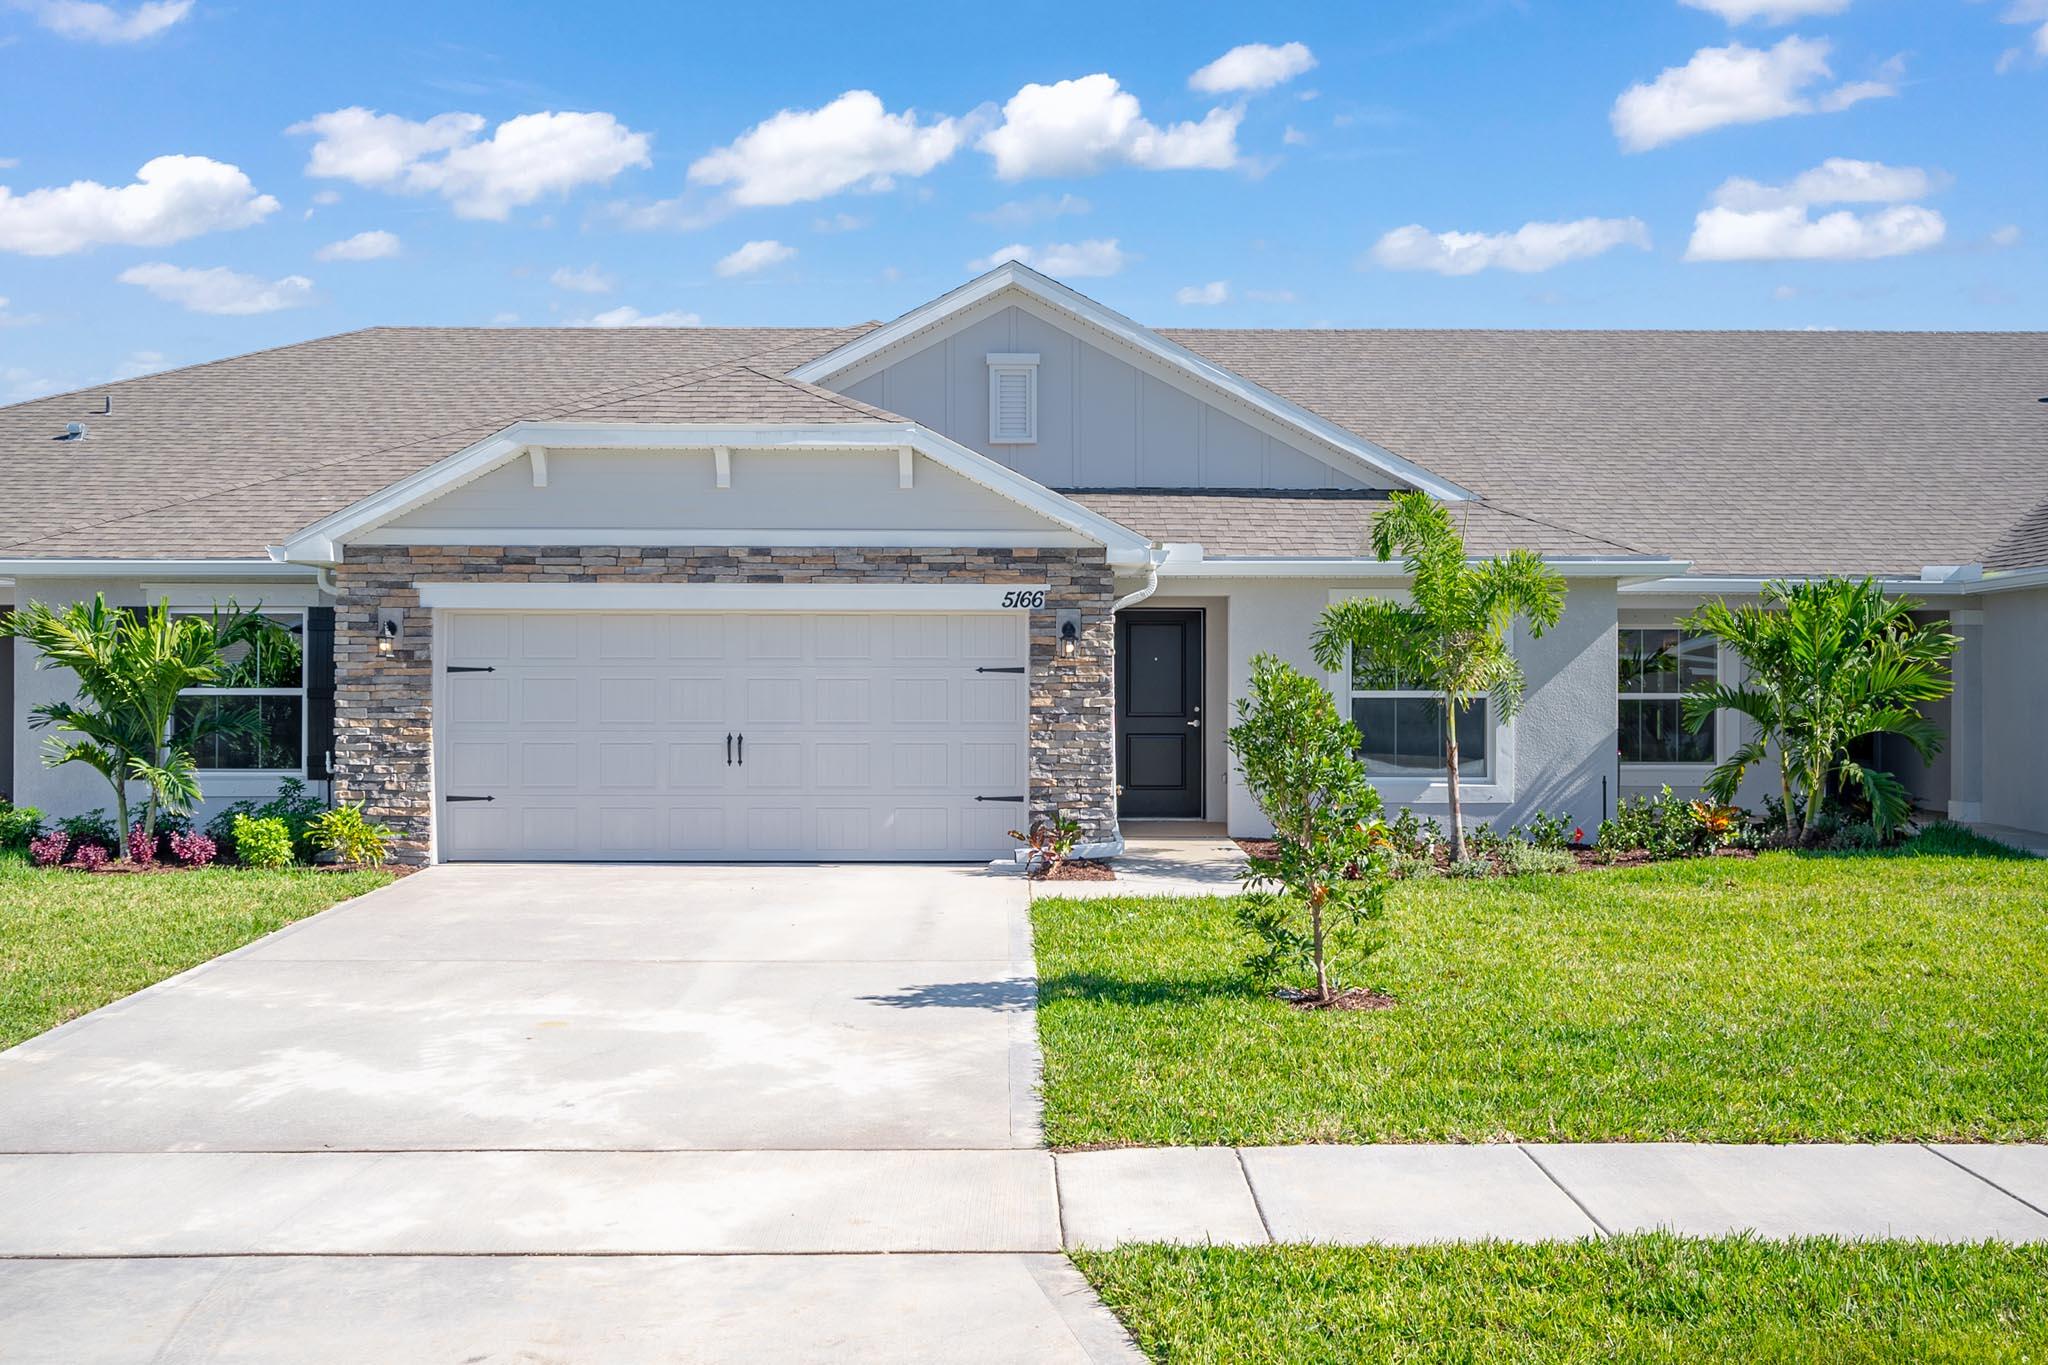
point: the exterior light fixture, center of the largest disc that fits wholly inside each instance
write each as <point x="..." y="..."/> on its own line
<point x="1070" y="633"/>
<point x="390" y="625"/>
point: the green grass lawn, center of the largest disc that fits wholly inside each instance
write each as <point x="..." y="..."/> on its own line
<point x="1786" y="998"/>
<point x="1643" y="1298"/>
<point x="71" y="941"/>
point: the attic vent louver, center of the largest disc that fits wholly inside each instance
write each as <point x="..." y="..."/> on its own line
<point x="1012" y="399"/>
<point x="73" y="431"/>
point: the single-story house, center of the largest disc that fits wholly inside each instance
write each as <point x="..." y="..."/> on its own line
<point x="890" y="591"/>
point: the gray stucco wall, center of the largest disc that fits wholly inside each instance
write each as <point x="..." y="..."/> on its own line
<point x="2014" y="692"/>
<point x="1102" y="422"/>
<point x="1563" y="742"/>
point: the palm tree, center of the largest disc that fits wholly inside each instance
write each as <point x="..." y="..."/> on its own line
<point x="131" y="667"/>
<point x="1450" y="637"/>
<point x="1828" y="663"/>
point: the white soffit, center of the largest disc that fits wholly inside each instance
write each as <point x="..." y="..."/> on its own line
<point x="1174" y="363"/>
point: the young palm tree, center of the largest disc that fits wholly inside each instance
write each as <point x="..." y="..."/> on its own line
<point x="131" y="667"/>
<point x="1828" y="663"/>
<point x="1450" y="637"/>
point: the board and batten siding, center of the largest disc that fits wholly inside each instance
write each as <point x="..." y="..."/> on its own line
<point x="1102" y="421"/>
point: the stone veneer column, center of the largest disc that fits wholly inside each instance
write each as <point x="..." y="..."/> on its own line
<point x="383" y="718"/>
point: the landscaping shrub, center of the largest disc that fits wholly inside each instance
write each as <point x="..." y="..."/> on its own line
<point x="50" y="849"/>
<point x="141" y="847"/>
<point x="353" y="838"/>
<point x="1669" y="826"/>
<point x="1519" y="859"/>
<point x="93" y="827"/>
<point x="1300" y="762"/>
<point x="192" y="849"/>
<point x="93" y="857"/>
<point x="19" y="824"/>
<point x="265" y="841"/>
<point x="293" y="804"/>
<point x="1545" y="831"/>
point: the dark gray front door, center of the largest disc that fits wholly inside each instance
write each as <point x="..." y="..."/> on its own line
<point x="1159" y="713"/>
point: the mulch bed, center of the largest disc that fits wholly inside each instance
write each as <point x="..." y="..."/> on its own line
<point x="1075" y="870"/>
<point x="1357" y="998"/>
<point x="1588" y="859"/>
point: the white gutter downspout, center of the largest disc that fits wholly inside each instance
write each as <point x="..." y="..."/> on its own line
<point x="1153" y="559"/>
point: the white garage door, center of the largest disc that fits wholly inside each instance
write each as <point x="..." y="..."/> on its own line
<point x="714" y="736"/>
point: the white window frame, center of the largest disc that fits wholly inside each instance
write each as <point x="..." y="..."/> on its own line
<point x="1680" y="775"/>
<point x="305" y="663"/>
<point x="1496" y="788"/>
<point x="1002" y="364"/>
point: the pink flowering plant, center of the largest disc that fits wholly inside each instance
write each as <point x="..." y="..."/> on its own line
<point x="192" y="848"/>
<point x="141" y="847"/>
<point x="92" y="857"/>
<point x="50" y="849"/>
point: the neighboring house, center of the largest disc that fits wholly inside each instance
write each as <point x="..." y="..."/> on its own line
<point x="888" y="591"/>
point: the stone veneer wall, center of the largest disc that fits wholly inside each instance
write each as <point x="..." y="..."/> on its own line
<point x="383" y="720"/>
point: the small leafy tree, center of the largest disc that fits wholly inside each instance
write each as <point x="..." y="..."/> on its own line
<point x="1827" y="663"/>
<point x="131" y="666"/>
<point x="1300" y="761"/>
<point x="1450" y="637"/>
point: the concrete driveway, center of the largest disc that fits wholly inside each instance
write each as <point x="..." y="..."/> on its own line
<point x="548" y="1113"/>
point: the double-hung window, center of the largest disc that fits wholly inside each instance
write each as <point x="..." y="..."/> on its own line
<point x="1403" y="726"/>
<point x="253" y="718"/>
<point x="1657" y="668"/>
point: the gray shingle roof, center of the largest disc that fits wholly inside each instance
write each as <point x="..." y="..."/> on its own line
<point x="219" y="460"/>
<point x="1745" y="452"/>
<point x="1317" y="525"/>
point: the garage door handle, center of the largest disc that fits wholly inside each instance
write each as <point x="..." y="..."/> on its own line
<point x="471" y="668"/>
<point x="469" y="798"/>
<point x="743" y="751"/>
<point x="1018" y="669"/>
<point x="999" y="798"/>
<point x="728" y="748"/>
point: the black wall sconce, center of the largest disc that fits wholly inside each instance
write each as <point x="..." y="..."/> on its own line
<point x="390" y="628"/>
<point x="1067" y="622"/>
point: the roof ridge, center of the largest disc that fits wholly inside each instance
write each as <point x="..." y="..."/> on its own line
<point x="297" y="470"/>
<point x="84" y="389"/>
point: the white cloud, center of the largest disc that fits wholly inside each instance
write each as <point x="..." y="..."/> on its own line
<point x="588" y="280"/>
<point x="173" y="198"/>
<point x="754" y="256"/>
<point x="803" y="154"/>
<point x="1768" y="11"/>
<point x="1790" y="234"/>
<point x="1734" y="84"/>
<point x="2009" y="235"/>
<point x="219" y="289"/>
<point x="523" y="159"/>
<point x="8" y="319"/>
<point x="1202" y="295"/>
<point x="325" y="197"/>
<point x="1294" y="137"/>
<point x="141" y="363"/>
<point x="8" y="163"/>
<point x="1749" y="221"/>
<point x="1023" y="212"/>
<point x="1530" y="248"/>
<point x="1838" y="180"/>
<point x="96" y="23"/>
<point x="1079" y="126"/>
<point x="2026" y="12"/>
<point x="1253" y="67"/>
<point x="375" y="245"/>
<point x="838" y="222"/>
<point x="1270" y="295"/>
<point x="1075" y="260"/>
<point x="626" y="316"/>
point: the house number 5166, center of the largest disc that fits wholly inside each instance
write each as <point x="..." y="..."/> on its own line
<point x="1025" y="601"/>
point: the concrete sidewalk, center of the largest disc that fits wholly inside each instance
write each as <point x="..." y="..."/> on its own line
<point x="1551" y="1192"/>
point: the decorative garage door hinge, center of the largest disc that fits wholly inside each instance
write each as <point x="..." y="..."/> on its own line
<point x="999" y="798"/>
<point x="469" y="798"/>
<point x="1018" y="669"/>
<point x="471" y="668"/>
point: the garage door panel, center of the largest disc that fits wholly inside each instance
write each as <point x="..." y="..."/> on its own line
<point x="605" y="736"/>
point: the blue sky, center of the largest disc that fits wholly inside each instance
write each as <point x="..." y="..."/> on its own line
<point x="1640" y="163"/>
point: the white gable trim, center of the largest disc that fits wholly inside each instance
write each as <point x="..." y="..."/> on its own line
<point x="321" y="542"/>
<point x="1173" y="364"/>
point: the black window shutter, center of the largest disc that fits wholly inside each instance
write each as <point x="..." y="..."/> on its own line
<point x="320" y="693"/>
